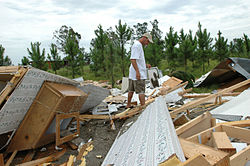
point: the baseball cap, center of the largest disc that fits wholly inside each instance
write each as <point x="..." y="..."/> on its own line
<point x="147" y="35"/>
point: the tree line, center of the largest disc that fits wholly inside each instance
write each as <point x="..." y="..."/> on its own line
<point x="110" y="49"/>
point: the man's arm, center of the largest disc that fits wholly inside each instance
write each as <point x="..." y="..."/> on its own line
<point x="134" y="64"/>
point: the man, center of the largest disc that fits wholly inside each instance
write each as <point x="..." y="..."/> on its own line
<point x="137" y="70"/>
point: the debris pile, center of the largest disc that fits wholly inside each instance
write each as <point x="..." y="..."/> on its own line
<point x="44" y="118"/>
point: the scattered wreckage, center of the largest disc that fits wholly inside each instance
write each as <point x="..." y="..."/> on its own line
<point x="37" y="108"/>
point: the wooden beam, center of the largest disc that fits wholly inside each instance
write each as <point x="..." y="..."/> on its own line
<point x="240" y="158"/>
<point x="237" y="132"/>
<point x="29" y="156"/>
<point x="202" y="100"/>
<point x="241" y="123"/>
<point x="124" y="114"/>
<point x="12" y="84"/>
<point x="67" y="138"/>
<point x="83" y="148"/>
<point x="221" y="142"/>
<point x="204" y="136"/>
<point x="50" y="158"/>
<point x="195" y="125"/>
<point x="206" y="95"/>
<point x="11" y="158"/>
<point x="71" y="160"/>
<point x="1" y="159"/>
<point x="195" y="161"/>
<point x="171" y="161"/>
<point x="214" y="157"/>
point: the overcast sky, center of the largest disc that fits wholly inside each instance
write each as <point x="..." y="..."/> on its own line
<point x="26" y="21"/>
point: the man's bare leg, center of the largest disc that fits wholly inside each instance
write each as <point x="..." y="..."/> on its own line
<point x="130" y="95"/>
<point x="142" y="99"/>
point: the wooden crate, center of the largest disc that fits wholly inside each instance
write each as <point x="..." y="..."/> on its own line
<point x="52" y="99"/>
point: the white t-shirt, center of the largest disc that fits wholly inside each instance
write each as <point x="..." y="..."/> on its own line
<point x="138" y="54"/>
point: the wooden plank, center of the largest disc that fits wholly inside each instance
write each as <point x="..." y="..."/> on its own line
<point x="83" y="148"/>
<point x="11" y="158"/>
<point x="13" y="82"/>
<point x="181" y="119"/>
<point x="172" y="82"/>
<point x="1" y="159"/>
<point x="241" y="123"/>
<point x="237" y="132"/>
<point x="50" y="158"/>
<point x="67" y="138"/>
<point x="222" y="142"/>
<point x="9" y="69"/>
<point x="71" y="160"/>
<point x="204" y="136"/>
<point x="195" y="161"/>
<point x="195" y="125"/>
<point x="171" y="161"/>
<point x="121" y="115"/>
<point x="214" y="157"/>
<point x="206" y="95"/>
<point x="240" y="158"/>
<point x="29" y="156"/>
<point x="202" y="100"/>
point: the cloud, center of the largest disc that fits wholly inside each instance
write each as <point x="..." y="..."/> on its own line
<point x="23" y="22"/>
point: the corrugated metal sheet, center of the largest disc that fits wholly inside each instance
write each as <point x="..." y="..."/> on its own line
<point x="149" y="141"/>
<point x="239" y="105"/>
<point x="227" y="70"/>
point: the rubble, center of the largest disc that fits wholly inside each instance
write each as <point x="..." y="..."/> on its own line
<point x="72" y="120"/>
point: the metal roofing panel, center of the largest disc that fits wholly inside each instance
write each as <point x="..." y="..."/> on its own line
<point x="149" y="141"/>
<point x="225" y="71"/>
<point x="239" y="105"/>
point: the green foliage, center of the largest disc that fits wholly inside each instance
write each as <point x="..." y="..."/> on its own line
<point x="154" y="51"/>
<point x="123" y="34"/>
<point x="4" y="61"/>
<point x="97" y="49"/>
<point x="171" y="40"/>
<point x="54" y="58"/>
<point x="204" y="43"/>
<point x="186" y="48"/>
<point x="207" y="89"/>
<point x="25" y="61"/>
<point x="37" y="58"/>
<point x="220" y="48"/>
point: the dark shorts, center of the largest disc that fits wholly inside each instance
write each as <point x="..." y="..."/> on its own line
<point x="137" y="86"/>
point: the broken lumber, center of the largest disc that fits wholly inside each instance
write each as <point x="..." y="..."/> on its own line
<point x="206" y="95"/>
<point x="202" y="100"/>
<point x="82" y="150"/>
<point x="214" y="157"/>
<point x="29" y="156"/>
<point x="50" y="158"/>
<point x="196" y="125"/>
<point x="240" y="158"/>
<point x="195" y="161"/>
<point x="1" y="159"/>
<point x="121" y="115"/>
<point x="12" y="83"/>
<point x="11" y="158"/>
<point x="241" y="123"/>
<point x="221" y="142"/>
